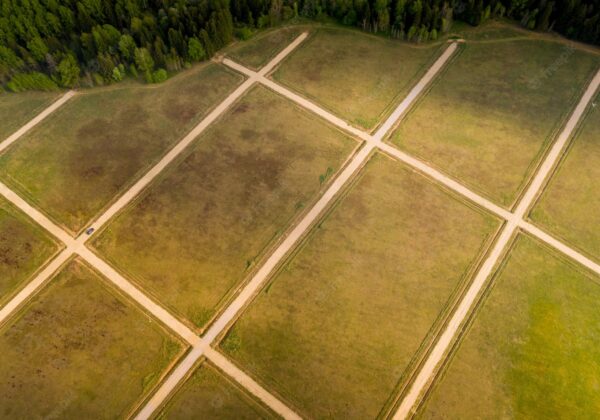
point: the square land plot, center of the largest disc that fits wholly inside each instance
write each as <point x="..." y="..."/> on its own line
<point x="357" y="76"/>
<point x="495" y="110"/>
<point x="24" y="248"/>
<point x="201" y="229"/>
<point x="532" y="348"/>
<point x="80" y="350"/>
<point x="209" y="394"/>
<point x="75" y="162"/>
<point x="339" y="327"/>
<point x="570" y="205"/>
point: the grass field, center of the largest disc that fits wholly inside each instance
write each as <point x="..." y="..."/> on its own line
<point x="338" y="327"/>
<point x="570" y="206"/>
<point x="488" y="31"/>
<point x="494" y="110"/>
<point x="79" y="350"/>
<point x="200" y="230"/>
<point x="259" y="50"/>
<point x="24" y="248"/>
<point x="532" y="351"/>
<point x="16" y="109"/>
<point x="358" y="76"/>
<point x="207" y="394"/>
<point x="75" y="162"/>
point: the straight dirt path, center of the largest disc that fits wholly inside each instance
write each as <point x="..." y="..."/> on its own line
<point x="36" y="120"/>
<point x="427" y="372"/>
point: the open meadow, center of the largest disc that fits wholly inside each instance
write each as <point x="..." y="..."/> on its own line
<point x="488" y="120"/>
<point x="80" y="349"/>
<point x="570" y="206"/>
<point x="203" y="227"/>
<point x="74" y="163"/>
<point x="531" y="351"/>
<point x="339" y="327"/>
<point x="358" y="77"/>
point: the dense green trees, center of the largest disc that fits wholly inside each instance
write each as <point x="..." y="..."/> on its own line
<point x="50" y="43"/>
<point x="44" y="43"/>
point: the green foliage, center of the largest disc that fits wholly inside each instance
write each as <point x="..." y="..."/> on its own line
<point x="117" y="75"/>
<point x="144" y="63"/>
<point x="31" y="81"/>
<point x="159" y="76"/>
<point x="68" y="72"/>
<point x="36" y="34"/>
<point x="243" y="33"/>
<point x="38" y="48"/>
<point x="127" y="47"/>
<point x="196" y="51"/>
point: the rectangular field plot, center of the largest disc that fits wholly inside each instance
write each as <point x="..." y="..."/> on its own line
<point x="488" y="119"/>
<point x="340" y="326"/>
<point x="532" y="350"/>
<point x="24" y="248"/>
<point x="16" y="109"/>
<point x="80" y="350"/>
<point x="74" y="163"/>
<point x="259" y="50"/>
<point x="357" y="76"/>
<point x="198" y="232"/>
<point x="570" y="205"/>
<point x="208" y="394"/>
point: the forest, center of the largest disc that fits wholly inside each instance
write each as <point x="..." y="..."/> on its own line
<point x="47" y="44"/>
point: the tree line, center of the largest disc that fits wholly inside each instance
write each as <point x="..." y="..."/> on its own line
<point x="45" y="44"/>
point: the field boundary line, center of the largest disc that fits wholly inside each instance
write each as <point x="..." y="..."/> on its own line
<point x="427" y="373"/>
<point x="36" y="120"/>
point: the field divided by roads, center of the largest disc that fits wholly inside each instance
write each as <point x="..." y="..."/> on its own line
<point x="314" y="232"/>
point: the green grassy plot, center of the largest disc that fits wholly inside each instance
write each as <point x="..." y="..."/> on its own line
<point x="16" y="109"/>
<point x="358" y="76"/>
<point x="490" y="116"/>
<point x="570" y="205"/>
<point x="80" y="350"/>
<point x="201" y="229"/>
<point x="337" y="329"/>
<point x="259" y="50"/>
<point x="24" y="248"/>
<point x="532" y="349"/>
<point x="208" y="394"/>
<point x="74" y="163"/>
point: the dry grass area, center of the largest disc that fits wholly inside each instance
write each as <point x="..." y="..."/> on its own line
<point x="202" y="228"/>
<point x="490" y="116"/>
<point x="532" y="349"/>
<point x="78" y="159"/>
<point x="16" y="109"/>
<point x="24" y="248"/>
<point x="260" y="49"/>
<point x="80" y="350"/>
<point x="359" y="77"/>
<point x="208" y="394"/>
<point x="338" y="328"/>
<point x="570" y="205"/>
